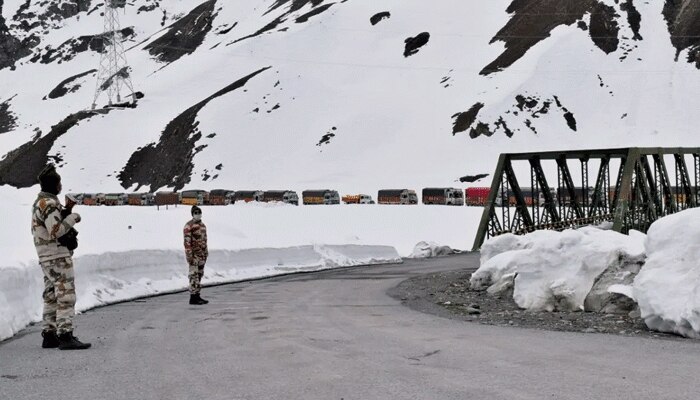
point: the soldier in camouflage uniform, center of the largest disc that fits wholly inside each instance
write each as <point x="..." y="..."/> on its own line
<point x="196" y="252"/>
<point x="48" y="225"/>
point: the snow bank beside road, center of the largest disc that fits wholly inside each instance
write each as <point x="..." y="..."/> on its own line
<point x="552" y="270"/>
<point x="668" y="287"/>
<point x="112" y="277"/>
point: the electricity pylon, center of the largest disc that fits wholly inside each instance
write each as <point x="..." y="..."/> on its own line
<point x="113" y="76"/>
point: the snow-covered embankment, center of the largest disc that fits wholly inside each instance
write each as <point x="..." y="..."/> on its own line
<point x="597" y="270"/>
<point x="112" y="277"/>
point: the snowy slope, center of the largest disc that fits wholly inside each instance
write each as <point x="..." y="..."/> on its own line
<point x="323" y="68"/>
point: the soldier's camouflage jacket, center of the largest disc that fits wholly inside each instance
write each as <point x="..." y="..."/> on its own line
<point x="48" y="226"/>
<point x="196" y="250"/>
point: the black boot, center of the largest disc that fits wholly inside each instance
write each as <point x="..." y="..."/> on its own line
<point x="69" y="342"/>
<point x="50" y="339"/>
<point x="202" y="300"/>
<point x="196" y="300"/>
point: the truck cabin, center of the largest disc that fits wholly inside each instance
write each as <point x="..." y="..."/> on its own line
<point x="78" y="197"/>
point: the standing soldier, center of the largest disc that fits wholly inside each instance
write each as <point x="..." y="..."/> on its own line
<point x="49" y="228"/>
<point x="196" y="253"/>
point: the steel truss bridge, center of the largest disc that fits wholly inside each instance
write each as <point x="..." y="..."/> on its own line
<point x="631" y="189"/>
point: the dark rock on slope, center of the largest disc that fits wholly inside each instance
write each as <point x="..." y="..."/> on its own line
<point x="69" y="85"/>
<point x="534" y="20"/>
<point x="185" y="35"/>
<point x="170" y="161"/>
<point x="314" y="12"/>
<point x="464" y="120"/>
<point x="71" y="48"/>
<point x="683" y="18"/>
<point x="8" y="121"/>
<point x="294" y="6"/>
<point x="378" y="17"/>
<point x="473" y="178"/>
<point x="413" y="44"/>
<point x="11" y="48"/>
<point x="20" y="167"/>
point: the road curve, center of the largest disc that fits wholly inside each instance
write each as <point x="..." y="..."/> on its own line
<point x="334" y="335"/>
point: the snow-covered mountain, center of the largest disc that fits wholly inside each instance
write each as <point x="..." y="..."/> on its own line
<point x="350" y="94"/>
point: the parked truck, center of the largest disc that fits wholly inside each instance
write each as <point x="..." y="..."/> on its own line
<point x="323" y="196"/>
<point x="141" y="199"/>
<point x="358" y="199"/>
<point x="443" y="196"/>
<point x="282" y="196"/>
<point x="167" y="198"/>
<point x="397" y="196"/>
<point x="222" y="197"/>
<point x="194" y="197"/>
<point x="89" y="199"/>
<point x="248" y="195"/>
<point x="477" y="196"/>
<point x="115" y="199"/>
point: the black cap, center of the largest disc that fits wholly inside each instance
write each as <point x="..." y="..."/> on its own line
<point x="196" y="209"/>
<point x="49" y="179"/>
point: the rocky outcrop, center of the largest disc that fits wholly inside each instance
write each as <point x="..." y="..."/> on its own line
<point x="69" y="85"/>
<point x="20" y="167"/>
<point x="620" y="272"/>
<point x="683" y="18"/>
<point x="533" y="21"/>
<point x="185" y="35"/>
<point x="71" y="48"/>
<point x="170" y="161"/>
<point x="8" y="121"/>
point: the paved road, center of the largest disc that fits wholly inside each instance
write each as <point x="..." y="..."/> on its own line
<point x="335" y="335"/>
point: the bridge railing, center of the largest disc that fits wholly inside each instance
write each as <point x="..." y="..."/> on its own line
<point x="630" y="189"/>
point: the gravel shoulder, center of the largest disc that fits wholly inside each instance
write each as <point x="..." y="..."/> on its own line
<point x="447" y="294"/>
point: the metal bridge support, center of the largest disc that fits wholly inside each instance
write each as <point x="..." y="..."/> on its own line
<point x="641" y="194"/>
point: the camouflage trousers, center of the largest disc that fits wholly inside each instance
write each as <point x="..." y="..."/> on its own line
<point x="59" y="295"/>
<point x="196" y="274"/>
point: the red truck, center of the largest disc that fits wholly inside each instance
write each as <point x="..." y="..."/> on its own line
<point x="477" y="196"/>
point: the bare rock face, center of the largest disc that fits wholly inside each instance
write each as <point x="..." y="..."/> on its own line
<point x="683" y="18"/>
<point x="534" y="20"/>
<point x="621" y="272"/>
<point x="169" y="162"/>
<point x="185" y="35"/>
<point x="8" y="121"/>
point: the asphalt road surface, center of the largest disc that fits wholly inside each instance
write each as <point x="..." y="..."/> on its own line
<point x="334" y="335"/>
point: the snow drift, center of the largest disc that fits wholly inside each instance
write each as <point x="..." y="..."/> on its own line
<point x="551" y="270"/>
<point x="668" y="287"/>
<point x="113" y="277"/>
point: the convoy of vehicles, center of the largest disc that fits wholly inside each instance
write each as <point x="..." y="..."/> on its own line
<point x="473" y="196"/>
